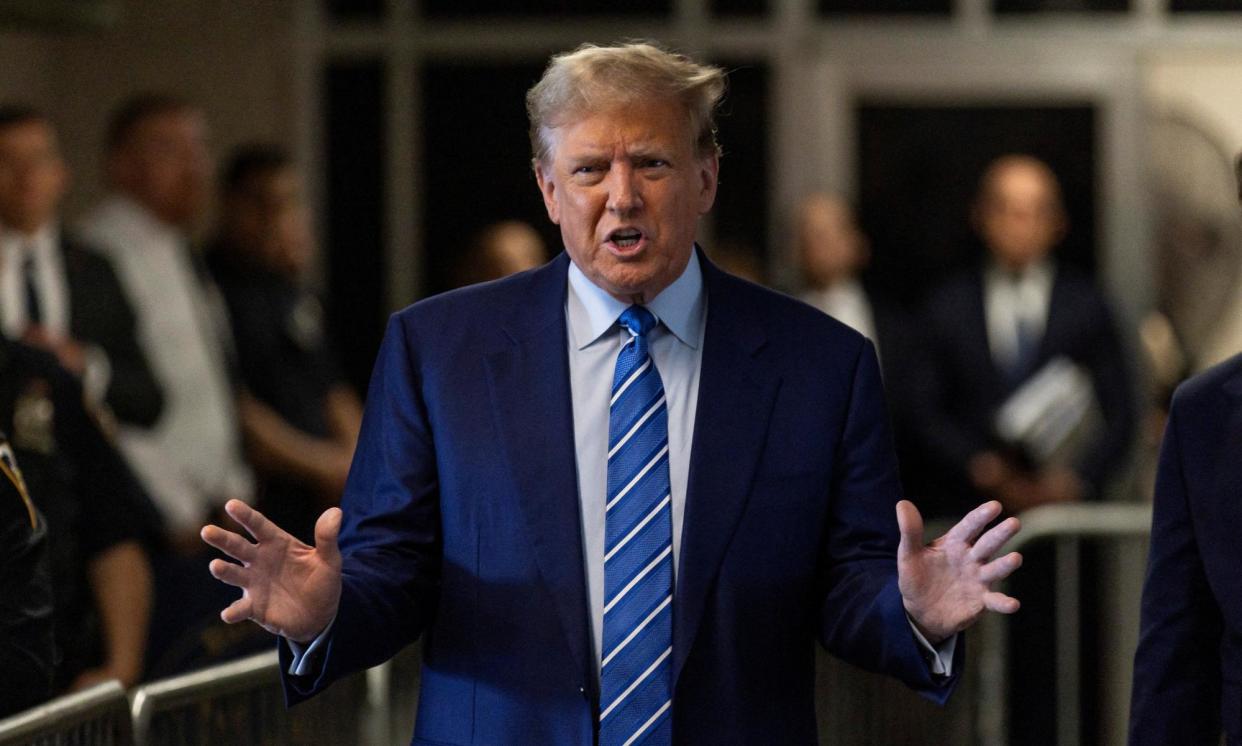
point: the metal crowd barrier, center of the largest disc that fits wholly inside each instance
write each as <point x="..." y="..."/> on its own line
<point x="242" y="702"/>
<point x="1067" y="526"/>
<point x="98" y="716"/>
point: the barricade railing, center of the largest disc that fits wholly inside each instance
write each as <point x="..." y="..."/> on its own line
<point x="98" y="716"/>
<point x="1066" y="526"/>
<point x="242" y="702"/>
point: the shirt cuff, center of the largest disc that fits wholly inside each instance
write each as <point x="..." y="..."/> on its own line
<point x="304" y="655"/>
<point x="939" y="657"/>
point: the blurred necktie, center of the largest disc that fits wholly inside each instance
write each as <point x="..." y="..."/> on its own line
<point x="635" y="673"/>
<point x="34" y="313"/>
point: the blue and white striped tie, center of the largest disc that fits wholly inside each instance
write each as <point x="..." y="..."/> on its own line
<point x="635" y="694"/>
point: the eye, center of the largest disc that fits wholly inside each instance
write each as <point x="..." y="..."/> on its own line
<point x="654" y="163"/>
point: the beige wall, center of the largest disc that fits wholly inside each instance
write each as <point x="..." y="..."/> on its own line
<point x="235" y="59"/>
<point x="1206" y="85"/>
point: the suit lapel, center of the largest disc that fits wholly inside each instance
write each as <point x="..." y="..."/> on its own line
<point x="530" y="391"/>
<point x="736" y="394"/>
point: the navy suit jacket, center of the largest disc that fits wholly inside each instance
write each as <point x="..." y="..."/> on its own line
<point x="958" y="388"/>
<point x="1188" y="668"/>
<point x="462" y="522"/>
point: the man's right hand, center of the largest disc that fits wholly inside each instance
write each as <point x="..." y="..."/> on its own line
<point x="288" y="588"/>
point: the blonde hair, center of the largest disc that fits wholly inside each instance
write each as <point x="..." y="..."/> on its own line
<point x="593" y="78"/>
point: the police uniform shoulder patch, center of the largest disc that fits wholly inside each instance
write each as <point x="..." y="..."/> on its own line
<point x="8" y="466"/>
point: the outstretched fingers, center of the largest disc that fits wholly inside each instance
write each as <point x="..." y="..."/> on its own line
<point x="975" y="521"/>
<point x="230" y="543"/>
<point x="227" y="572"/>
<point x="253" y="521"/>
<point x="238" y="611"/>
<point x="994" y="539"/>
<point x="1000" y="603"/>
<point x="1000" y="568"/>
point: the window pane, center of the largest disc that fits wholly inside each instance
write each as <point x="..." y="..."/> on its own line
<point x="740" y="217"/>
<point x="543" y="8"/>
<point x="919" y="168"/>
<point x="355" y="10"/>
<point x="886" y="7"/>
<point x="1062" y="6"/>
<point x="354" y="223"/>
<point x="477" y="161"/>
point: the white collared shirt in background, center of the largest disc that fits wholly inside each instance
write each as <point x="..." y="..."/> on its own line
<point x="50" y="283"/>
<point x="847" y="302"/>
<point x="191" y="461"/>
<point x="1011" y="298"/>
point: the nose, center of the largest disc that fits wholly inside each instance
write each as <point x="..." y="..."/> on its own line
<point x="624" y="193"/>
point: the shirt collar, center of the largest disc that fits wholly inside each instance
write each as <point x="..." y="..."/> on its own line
<point x="680" y="306"/>
<point x="43" y="241"/>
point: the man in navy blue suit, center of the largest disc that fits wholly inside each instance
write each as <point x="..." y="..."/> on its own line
<point x="620" y="495"/>
<point x="1188" y="668"/>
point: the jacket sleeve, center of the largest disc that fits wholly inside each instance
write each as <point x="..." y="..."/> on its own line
<point x="1177" y="680"/>
<point x="390" y="540"/>
<point x="862" y="617"/>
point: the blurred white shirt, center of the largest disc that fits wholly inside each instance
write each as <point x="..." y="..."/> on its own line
<point x="1011" y="299"/>
<point x="847" y="302"/>
<point x="191" y="461"/>
<point x="49" y="281"/>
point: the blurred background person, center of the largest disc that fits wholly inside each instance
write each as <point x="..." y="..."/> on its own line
<point x="992" y="328"/>
<point x="57" y="293"/>
<point x="299" y="417"/>
<point x="499" y="250"/>
<point x="100" y="524"/>
<point x="26" y="646"/>
<point x="989" y="333"/>
<point x="833" y="253"/>
<point x="159" y="171"/>
<point x="739" y="259"/>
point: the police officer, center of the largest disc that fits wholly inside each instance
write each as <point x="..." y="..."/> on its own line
<point x="25" y="593"/>
<point x="98" y="521"/>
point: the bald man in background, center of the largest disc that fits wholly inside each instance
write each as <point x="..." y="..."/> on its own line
<point x="988" y="331"/>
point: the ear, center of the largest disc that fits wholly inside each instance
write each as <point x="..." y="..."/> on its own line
<point x="709" y="175"/>
<point x="547" y="189"/>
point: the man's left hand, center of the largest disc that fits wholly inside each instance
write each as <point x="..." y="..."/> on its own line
<point x="946" y="585"/>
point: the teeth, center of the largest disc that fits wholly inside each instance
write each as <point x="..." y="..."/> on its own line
<point x="626" y="238"/>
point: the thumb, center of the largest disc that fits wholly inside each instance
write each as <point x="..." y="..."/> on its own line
<point x="910" y="524"/>
<point x="326" y="530"/>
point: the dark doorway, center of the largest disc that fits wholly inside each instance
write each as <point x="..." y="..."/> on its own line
<point x="476" y="168"/>
<point x="354" y="233"/>
<point x="919" y="166"/>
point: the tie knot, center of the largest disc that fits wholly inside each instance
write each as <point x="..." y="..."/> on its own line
<point x="638" y="320"/>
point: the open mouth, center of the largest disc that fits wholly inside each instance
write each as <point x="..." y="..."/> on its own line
<point x="625" y="238"/>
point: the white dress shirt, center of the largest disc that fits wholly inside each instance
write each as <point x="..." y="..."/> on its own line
<point x="847" y="302"/>
<point x="191" y="461"/>
<point x="51" y="286"/>
<point x="1010" y="299"/>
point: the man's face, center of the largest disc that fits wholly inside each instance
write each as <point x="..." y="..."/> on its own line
<point x="268" y="218"/>
<point x="833" y="247"/>
<point x="166" y="166"/>
<point x="627" y="188"/>
<point x="32" y="175"/>
<point x="1019" y="215"/>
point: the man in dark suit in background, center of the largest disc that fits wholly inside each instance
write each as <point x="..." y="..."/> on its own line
<point x="543" y="455"/>
<point x="54" y="292"/>
<point x="989" y="332"/>
<point x="1188" y="667"/>
<point x="992" y="328"/>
